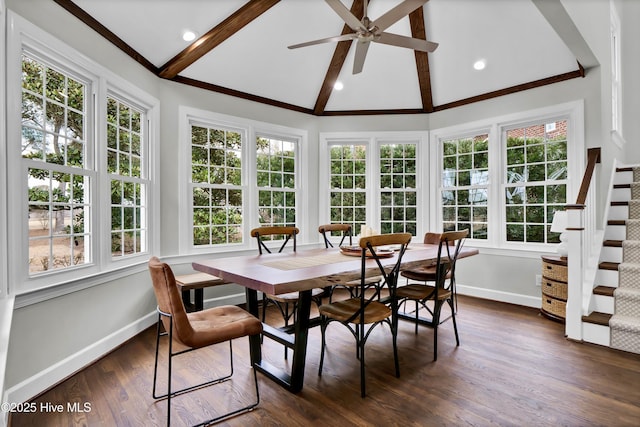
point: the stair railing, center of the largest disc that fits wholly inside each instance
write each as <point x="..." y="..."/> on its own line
<point x="583" y="246"/>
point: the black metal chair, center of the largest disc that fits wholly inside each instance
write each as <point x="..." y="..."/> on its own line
<point x="345" y="231"/>
<point x="196" y="330"/>
<point x="442" y="291"/>
<point x="361" y="314"/>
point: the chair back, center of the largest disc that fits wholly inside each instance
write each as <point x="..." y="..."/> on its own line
<point x="432" y="238"/>
<point x="370" y="246"/>
<point x="326" y="230"/>
<point x="451" y="243"/>
<point x="169" y="300"/>
<point x="289" y="234"/>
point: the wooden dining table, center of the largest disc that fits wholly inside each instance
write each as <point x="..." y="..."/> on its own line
<point x="300" y="271"/>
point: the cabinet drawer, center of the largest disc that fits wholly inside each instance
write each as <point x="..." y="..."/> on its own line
<point x="554" y="306"/>
<point x="554" y="272"/>
<point x="554" y="289"/>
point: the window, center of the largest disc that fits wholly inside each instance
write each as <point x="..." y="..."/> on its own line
<point x="535" y="181"/>
<point x="129" y="181"/>
<point x="372" y="180"/>
<point x="276" y="181"/>
<point x="465" y="185"/>
<point x="504" y="178"/>
<point x="240" y="174"/>
<point x="216" y="176"/>
<point x="59" y="171"/>
<point x="616" y="75"/>
<point x="348" y="197"/>
<point x="398" y="195"/>
<point x="79" y="160"/>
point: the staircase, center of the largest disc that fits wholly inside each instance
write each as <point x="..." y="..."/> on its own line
<point x="615" y="321"/>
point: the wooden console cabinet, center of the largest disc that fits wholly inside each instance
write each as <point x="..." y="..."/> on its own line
<point x="554" y="287"/>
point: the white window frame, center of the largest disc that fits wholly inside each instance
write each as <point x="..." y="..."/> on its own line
<point x="250" y="130"/>
<point x="4" y="241"/>
<point x="572" y="111"/>
<point x="373" y="141"/>
<point x="616" y="76"/>
<point x="24" y="35"/>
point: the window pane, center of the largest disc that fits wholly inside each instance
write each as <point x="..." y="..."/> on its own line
<point x="276" y="181"/>
<point x="465" y="183"/>
<point x="125" y="162"/>
<point x="348" y="183"/>
<point x="541" y="180"/>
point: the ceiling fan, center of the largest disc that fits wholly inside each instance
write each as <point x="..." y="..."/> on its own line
<point x="367" y="31"/>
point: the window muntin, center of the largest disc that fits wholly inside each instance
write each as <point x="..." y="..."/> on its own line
<point x="59" y="172"/>
<point x="216" y="191"/>
<point x="125" y="166"/>
<point x="276" y="181"/>
<point x="465" y="185"/>
<point x="398" y="195"/>
<point x="535" y="181"/>
<point x="348" y="185"/>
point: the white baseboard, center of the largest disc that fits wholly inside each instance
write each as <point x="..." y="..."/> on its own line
<point x="6" y="314"/>
<point x="492" y="294"/>
<point x="47" y="378"/>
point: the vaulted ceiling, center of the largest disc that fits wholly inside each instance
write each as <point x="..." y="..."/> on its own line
<point x="241" y="50"/>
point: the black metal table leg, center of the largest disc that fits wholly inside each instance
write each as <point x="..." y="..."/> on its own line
<point x="298" y="342"/>
<point x="300" y="345"/>
<point x="254" y="340"/>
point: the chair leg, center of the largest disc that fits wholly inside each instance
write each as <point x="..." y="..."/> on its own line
<point x="417" y="308"/>
<point x="361" y="340"/>
<point x="323" y="328"/>
<point x="455" y="325"/>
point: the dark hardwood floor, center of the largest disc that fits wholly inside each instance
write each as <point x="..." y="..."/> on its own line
<point x="513" y="368"/>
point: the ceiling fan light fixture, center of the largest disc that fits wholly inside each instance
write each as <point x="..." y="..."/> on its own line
<point x="480" y="64"/>
<point x="188" y="35"/>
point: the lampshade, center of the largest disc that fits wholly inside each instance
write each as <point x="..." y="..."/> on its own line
<point x="560" y="222"/>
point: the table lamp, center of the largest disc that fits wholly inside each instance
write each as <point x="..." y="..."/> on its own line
<point x="559" y="225"/>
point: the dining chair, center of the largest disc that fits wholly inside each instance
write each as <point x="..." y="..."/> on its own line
<point x="361" y="314"/>
<point x="286" y="303"/>
<point x="426" y="273"/>
<point x="442" y="291"/>
<point x="195" y="331"/>
<point x="345" y="231"/>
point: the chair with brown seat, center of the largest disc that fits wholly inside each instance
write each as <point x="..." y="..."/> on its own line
<point x="442" y="291"/>
<point x="196" y="330"/>
<point x="289" y="300"/>
<point x="363" y="313"/>
<point x="345" y="231"/>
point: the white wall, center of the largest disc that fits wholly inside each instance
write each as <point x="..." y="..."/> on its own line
<point x="76" y="327"/>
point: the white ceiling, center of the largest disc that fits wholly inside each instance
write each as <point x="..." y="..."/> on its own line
<point x="514" y="38"/>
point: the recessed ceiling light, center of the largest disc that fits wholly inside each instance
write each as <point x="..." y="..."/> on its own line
<point x="338" y="85"/>
<point x="480" y="64"/>
<point x="188" y="36"/>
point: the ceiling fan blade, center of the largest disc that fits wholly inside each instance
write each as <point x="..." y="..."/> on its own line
<point x="361" y="54"/>
<point x="408" y="42"/>
<point x="345" y="14"/>
<point x="397" y="13"/>
<point x="343" y="37"/>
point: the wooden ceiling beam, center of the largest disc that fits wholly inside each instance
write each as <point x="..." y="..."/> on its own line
<point x="214" y="37"/>
<point x="337" y="62"/>
<point x="416" y="18"/>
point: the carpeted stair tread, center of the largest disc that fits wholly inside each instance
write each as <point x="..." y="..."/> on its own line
<point x="624" y="324"/>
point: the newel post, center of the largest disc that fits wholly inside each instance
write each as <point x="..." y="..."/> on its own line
<point x="575" y="262"/>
